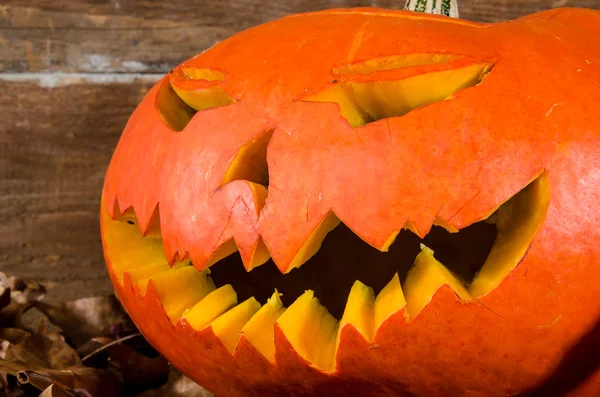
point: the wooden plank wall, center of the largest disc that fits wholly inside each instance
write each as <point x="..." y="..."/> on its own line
<point x="71" y="72"/>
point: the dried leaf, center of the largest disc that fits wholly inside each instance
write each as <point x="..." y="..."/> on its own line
<point x="25" y="291"/>
<point x="44" y="349"/>
<point x="4" y="293"/>
<point x="84" y="319"/>
<point x="80" y="381"/>
<point x="91" y="353"/>
<point x="10" y="336"/>
<point x="12" y="315"/>
<point x="44" y="358"/>
<point x="4" y="345"/>
<point x="55" y="391"/>
<point x="178" y="386"/>
<point x="4" y="386"/>
<point x="13" y="335"/>
<point x="22" y="295"/>
<point x="136" y="371"/>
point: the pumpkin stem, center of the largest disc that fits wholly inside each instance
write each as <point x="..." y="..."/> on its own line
<point x="448" y="8"/>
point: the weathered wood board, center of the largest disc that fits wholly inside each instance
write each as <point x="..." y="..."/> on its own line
<point x="55" y="144"/>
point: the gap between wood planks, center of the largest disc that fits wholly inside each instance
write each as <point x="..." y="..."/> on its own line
<point x="54" y="80"/>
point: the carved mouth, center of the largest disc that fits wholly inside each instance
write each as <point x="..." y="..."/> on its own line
<point x="346" y="279"/>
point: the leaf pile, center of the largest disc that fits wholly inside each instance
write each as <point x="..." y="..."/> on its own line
<point x="83" y="348"/>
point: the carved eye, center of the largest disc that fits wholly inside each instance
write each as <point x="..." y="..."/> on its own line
<point x="393" y="86"/>
<point x="188" y="90"/>
<point x="394" y="62"/>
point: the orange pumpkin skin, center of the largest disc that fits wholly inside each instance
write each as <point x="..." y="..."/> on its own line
<point x="455" y="160"/>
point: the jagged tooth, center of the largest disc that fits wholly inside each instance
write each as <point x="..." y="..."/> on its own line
<point x="222" y="252"/>
<point x="259" y="330"/>
<point x="311" y="330"/>
<point x="446" y="225"/>
<point x="181" y="288"/>
<point x="127" y="215"/>
<point x="210" y="307"/>
<point x="359" y="311"/>
<point x="259" y="257"/>
<point x="390" y="240"/>
<point x="425" y="278"/>
<point x="141" y="275"/>
<point x="128" y="249"/>
<point x="227" y="326"/>
<point x="260" y="253"/>
<point x="253" y="255"/>
<point x="313" y="242"/>
<point x="415" y="230"/>
<point x="389" y="301"/>
<point x="366" y="312"/>
<point x="152" y="228"/>
<point x="517" y="220"/>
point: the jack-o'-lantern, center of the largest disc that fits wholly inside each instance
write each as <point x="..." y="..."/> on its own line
<point x="367" y="202"/>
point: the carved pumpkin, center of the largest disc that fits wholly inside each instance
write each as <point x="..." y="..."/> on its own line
<point x="453" y="166"/>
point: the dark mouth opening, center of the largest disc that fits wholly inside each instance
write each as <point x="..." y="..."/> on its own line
<point x="353" y="281"/>
<point x="344" y="258"/>
<point x="473" y="262"/>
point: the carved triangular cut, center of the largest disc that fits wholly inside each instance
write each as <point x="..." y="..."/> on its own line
<point x="250" y="161"/>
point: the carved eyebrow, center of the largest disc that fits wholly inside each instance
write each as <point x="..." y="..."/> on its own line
<point x="187" y="90"/>
<point x="200" y="88"/>
<point x="363" y="102"/>
<point x="194" y="73"/>
<point x="394" y="62"/>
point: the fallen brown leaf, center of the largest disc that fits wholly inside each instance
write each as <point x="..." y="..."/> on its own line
<point x="55" y="391"/>
<point x="4" y="345"/>
<point x="136" y="369"/>
<point x="44" y="358"/>
<point x="117" y="360"/>
<point x="24" y="291"/>
<point x="22" y="294"/>
<point x="93" y="352"/>
<point x="89" y="382"/>
<point x="4" y="292"/>
<point x="81" y="381"/>
<point x="13" y="335"/>
<point x="43" y="349"/>
<point x="87" y="318"/>
<point x="178" y="386"/>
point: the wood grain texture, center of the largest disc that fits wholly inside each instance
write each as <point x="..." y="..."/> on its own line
<point x="55" y="144"/>
<point x="153" y="36"/>
<point x="58" y="132"/>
